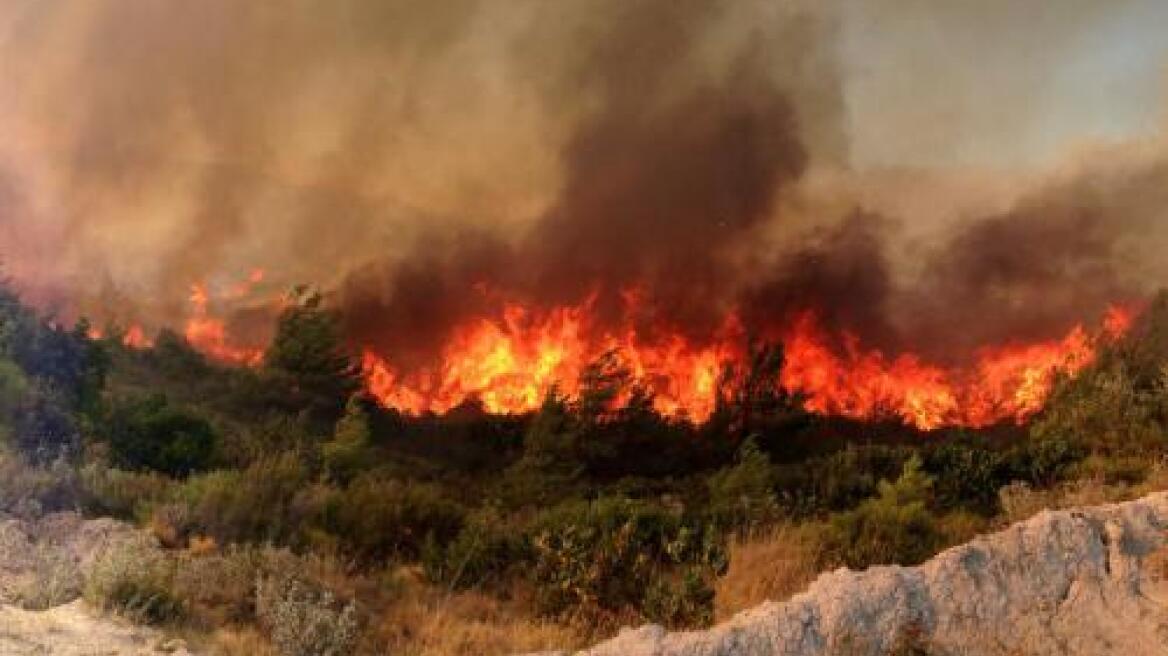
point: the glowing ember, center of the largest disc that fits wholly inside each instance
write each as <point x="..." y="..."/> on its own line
<point x="508" y="364"/>
<point x="134" y="337"/>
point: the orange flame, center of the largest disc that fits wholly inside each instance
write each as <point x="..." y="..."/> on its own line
<point x="508" y="364"/>
<point x="208" y="333"/>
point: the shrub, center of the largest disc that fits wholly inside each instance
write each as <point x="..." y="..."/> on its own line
<point x="304" y="620"/>
<point x="484" y="553"/>
<point x="56" y="580"/>
<point x="1103" y="409"/>
<point x="966" y="475"/>
<point x="28" y="490"/>
<point x="267" y="502"/>
<point x="602" y="557"/>
<point x="152" y="434"/>
<point x="1044" y="459"/>
<point x="742" y="496"/>
<point x="838" y="481"/>
<point x="377" y="518"/>
<point x="688" y="602"/>
<point x="119" y="493"/>
<point x="894" y="527"/>
<point x="347" y="453"/>
<point x="135" y="579"/>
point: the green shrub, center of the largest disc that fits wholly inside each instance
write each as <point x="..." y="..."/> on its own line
<point x="377" y="518"/>
<point x="1105" y="410"/>
<point x="742" y="495"/>
<point x="122" y="494"/>
<point x="838" y="481"/>
<point x="966" y="475"/>
<point x="1044" y="459"/>
<point x="894" y="527"/>
<point x="686" y="603"/>
<point x="270" y="501"/>
<point x="348" y="452"/>
<point x="593" y="558"/>
<point x="486" y="552"/>
<point x="152" y="434"/>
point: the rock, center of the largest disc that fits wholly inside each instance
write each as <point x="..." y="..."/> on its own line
<point x="1083" y="582"/>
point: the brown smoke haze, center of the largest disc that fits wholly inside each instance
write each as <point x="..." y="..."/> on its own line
<point x="406" y="156"/>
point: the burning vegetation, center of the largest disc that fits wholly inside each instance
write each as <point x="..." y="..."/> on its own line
<point x="599" y="296"/>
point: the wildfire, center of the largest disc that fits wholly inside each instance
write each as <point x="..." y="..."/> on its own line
<point x="208" y="333"/>
<point x="508" y="364"/>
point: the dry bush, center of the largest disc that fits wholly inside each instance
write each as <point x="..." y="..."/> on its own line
<point x="121" y="494"/>
<point x="426" y="620"/>
<point x="770" y="566"/>
<point x="1020" y="501"/>
<point x="28" y="491"/>
<point x="55" y="580"/>
<point x="134" y="578"/>
<point x="219" y="587"/>
<point x="305" y="620"/>
<point x="244" y="641"/>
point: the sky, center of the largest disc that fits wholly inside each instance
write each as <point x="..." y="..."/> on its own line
<point x="999" y="83"/>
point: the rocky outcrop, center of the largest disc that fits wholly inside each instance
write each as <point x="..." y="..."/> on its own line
<point x="1083" y="582"/>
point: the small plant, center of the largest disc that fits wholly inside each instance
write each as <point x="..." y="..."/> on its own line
<point x="604" y="557"/>
<point x="133" y="578"/>
<point x="894" y="527"/>
<point x="305" y="621"/>
<point x="56" y="580"/>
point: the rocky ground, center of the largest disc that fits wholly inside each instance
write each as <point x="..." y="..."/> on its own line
<point x="42" y="574"/>
<point x="1082" y="582"/>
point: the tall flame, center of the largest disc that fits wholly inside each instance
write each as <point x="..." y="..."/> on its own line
<point x="508" y="364"/>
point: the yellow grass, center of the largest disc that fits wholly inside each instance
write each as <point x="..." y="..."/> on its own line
<point x="430" y="621"/>
<point x="771" y="566"/>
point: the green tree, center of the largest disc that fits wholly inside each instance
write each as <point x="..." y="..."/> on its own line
<point x="347" y="453"/>
<point x="893" y="527"/>
<point x="308" y="361"/>
<point x="742" y="495"/>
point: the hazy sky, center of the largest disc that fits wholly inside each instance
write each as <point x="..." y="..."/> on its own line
<point x="1004" y="83"/>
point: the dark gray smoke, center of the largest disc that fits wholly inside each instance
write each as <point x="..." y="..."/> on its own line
<point x="422" y="163"/>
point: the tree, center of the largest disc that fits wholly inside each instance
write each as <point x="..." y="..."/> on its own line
<point x="308" y="361"/>
<point x="347" y="453"/>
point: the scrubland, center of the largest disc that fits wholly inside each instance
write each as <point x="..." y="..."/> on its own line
<point x="283" y="512"/>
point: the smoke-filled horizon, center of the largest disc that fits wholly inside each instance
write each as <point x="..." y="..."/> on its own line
<point x="420" y="163"/>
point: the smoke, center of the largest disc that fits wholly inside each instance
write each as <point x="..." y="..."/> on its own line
<point x="421" y="163"/>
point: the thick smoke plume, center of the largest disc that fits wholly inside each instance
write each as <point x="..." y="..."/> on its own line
<point x="423" y="161"/>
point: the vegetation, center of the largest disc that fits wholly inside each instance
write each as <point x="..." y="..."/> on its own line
<point x="299" y="517"/>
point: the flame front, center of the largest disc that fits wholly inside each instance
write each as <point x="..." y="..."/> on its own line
<point x="508" y="364"/>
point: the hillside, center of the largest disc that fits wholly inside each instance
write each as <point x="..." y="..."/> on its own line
<point x="1086" y="581"/>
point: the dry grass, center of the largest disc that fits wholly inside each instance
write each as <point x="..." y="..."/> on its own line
<point x="240" y="642"/>
<point x="429" y="621"/>
<point x="771" y="566"/>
